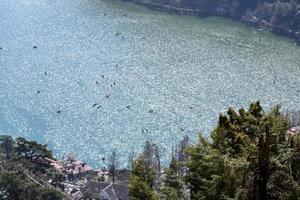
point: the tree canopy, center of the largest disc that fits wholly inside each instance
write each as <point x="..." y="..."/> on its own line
<point x="247" y="157"/>
<point x="21" y="161"/>
<point x="141" y="181"/>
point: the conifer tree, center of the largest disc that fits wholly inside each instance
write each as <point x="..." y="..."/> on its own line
<point x="248" y="157"/>
<point x="141" y="181"/>
<point x="6" y="146"/>
<point x="172" y="184"/>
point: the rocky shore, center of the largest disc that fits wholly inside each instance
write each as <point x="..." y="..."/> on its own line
<point x="280" y="17"/>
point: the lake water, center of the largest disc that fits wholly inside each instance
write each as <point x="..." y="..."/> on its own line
<point x="174" y="74"/>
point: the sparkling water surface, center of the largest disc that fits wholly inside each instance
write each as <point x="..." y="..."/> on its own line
<point x="156" y="76"/>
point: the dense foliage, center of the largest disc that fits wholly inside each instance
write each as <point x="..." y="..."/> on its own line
<point x="141" y="181"/>
<point x="173" y="184"/>
<point x="25" y="170"/>
<point x="16" y="186"/>
<point x="248" y="156"/>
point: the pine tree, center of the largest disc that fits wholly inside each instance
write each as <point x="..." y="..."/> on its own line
<point x="113" y="165"/>
<point x="6" y="146"/>
<point x="173" y="187"/>
<point x="248" y="157"/>
<point x="141" y="181"/>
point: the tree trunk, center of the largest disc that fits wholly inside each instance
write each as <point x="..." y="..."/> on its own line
<point x="263" y="164"/>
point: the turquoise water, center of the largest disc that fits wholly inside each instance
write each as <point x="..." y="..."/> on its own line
<point x="185" y="69"/>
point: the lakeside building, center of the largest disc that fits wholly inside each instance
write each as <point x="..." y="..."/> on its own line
<point x="106" y="191"/>
<point x="293" y="131"/>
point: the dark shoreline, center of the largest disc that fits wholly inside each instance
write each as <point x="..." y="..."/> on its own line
<point x="169" y="8"/>
<point x="247" y="19"/>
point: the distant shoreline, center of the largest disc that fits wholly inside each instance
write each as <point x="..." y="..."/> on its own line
<point x="247" y="18"/>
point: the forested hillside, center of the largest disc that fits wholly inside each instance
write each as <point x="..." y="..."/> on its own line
<point x="280" y="16"/>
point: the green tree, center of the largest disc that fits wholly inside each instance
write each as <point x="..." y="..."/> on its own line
<point x="210" y="173"/>
<point x="15" y="186"/>
<point x="245" y="157"/>
<point x="113" y="165"/>
<point x="31" y="150"/>
<point x="172" y="189"/>
<point x="6" y="146"/>
<point x="11" y="185"/>
<point x="48" y="194"/>
<point x="141" y="181"/>
<point x="32" y="155"/>
<point x="15" y="183"/>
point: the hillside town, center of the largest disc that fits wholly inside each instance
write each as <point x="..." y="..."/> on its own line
<point x="82" y="180"/>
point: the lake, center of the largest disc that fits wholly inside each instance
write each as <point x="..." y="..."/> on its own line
<point x="87" y="76"/>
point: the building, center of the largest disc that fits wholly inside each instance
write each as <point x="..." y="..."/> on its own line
<point x="74" y="193"/>
<point x="74" y="169"/>
<point x="293" y="131"/>
<point x="106" y="191"/>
